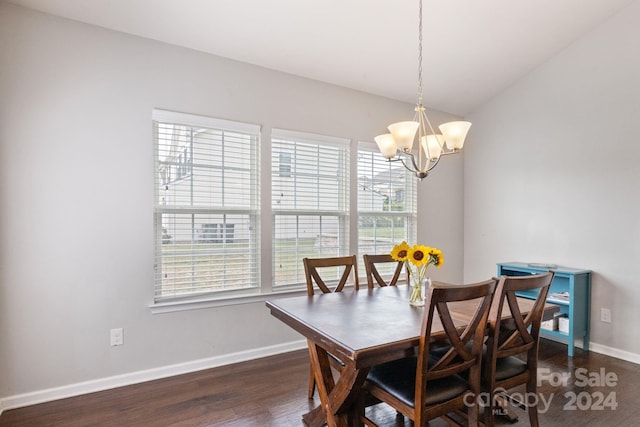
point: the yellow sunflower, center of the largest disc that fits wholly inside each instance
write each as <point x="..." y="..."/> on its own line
<point x="400" y="251"/>
<point x="419" y="255"/>
<point x="436" y="257"/>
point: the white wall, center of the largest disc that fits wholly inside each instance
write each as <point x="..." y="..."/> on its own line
<point x="441" y="216"/>
<point x="76" y="196"/>
<point x="553" y="176"/>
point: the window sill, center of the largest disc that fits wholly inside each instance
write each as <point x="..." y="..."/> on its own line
<point x="196" y="304"/>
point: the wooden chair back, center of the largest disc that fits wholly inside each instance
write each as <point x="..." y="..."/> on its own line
<point x="371" y="263"/>
<point x="518" y="335"/>
<point x="439" y="380"/>
<point x="464" y="354"/>
<point x="313" y="276"/>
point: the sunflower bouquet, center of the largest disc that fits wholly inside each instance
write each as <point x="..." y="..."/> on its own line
<point x="417" y="258"/>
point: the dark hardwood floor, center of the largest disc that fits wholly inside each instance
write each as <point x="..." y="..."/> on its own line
<point x="272" y="392"/>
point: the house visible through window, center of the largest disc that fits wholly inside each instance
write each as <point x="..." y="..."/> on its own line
<point x="310" y="202"/>
<point x="206" y="206"/>
<point x="387" y="207"/>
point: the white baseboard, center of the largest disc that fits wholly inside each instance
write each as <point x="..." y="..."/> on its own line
<point x="41" y="396"/>
<point x="615" y="352"/>
<point x="603" y="349"/>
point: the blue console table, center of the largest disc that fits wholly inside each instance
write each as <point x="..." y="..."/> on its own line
<point x="576" y="282"/>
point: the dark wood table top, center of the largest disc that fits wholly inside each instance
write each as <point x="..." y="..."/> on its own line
<point x="365" y="326"/>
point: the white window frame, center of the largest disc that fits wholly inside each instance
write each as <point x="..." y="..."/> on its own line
<point x="340" y="213"/>
<point x="273" y="162"/>
<point x="251" y="210"/>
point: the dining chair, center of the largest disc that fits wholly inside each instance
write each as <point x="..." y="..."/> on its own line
<point x="314" y="270"/>
<point x="511" y="357"/>
<point x="371" y="263"/>
<point x="425" y="387"/>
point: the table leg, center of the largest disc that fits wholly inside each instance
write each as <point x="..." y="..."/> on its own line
<point x="337" y="400"/>
<point x="324" y="382"/>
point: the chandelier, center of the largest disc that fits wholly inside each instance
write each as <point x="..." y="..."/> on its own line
<point x="397" y="146"/>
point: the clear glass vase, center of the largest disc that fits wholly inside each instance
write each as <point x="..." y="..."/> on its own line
<point x="418" y="286"/>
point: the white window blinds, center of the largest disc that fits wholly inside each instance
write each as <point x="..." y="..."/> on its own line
<point x="206" y="205"/>
<point x="310" y="201"/>
<point x="387" y="207"/>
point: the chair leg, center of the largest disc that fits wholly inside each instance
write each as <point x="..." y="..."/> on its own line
<point x="489" y="415"/>
<point x="312" y="383"/>
<point x="532" y="409"/>
<point x="533" y="416"/>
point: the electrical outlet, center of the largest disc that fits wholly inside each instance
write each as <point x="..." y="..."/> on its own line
<point x="605" y="315"/>
<point x="117" y="337"/>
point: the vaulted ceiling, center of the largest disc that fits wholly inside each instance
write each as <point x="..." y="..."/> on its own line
<point x="472" y="49"/>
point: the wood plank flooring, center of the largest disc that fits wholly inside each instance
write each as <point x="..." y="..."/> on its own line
<point x="272" y="392"/>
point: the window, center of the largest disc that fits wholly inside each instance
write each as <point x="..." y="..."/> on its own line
<point x="387" y="208"/>
<point x="310" y="202"/>
<point x="206" y="206"/>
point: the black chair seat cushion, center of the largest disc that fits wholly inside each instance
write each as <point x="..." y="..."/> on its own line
<point x="398" y="378"/>
<point x="508" y="367"/>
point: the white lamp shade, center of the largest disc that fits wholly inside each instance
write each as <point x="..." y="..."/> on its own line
<point x="454" y="134"/>
<point x="387" y="145"/>
<point x="432" y="146"/>
<point x="404" y="133"/>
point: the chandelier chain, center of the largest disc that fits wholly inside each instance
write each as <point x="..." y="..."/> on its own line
<point x="420" y="53"/>
<point x="397" y="146"/>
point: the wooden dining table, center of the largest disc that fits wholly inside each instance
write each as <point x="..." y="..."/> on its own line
<point x="362" y="329"/>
